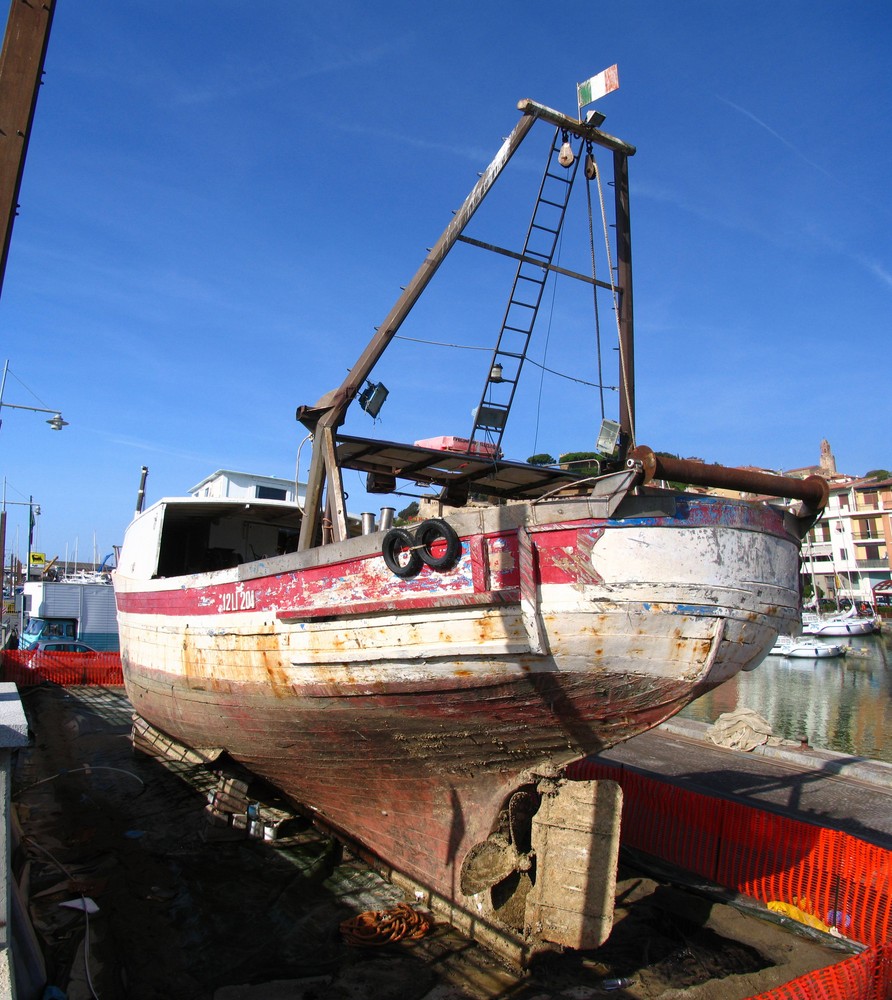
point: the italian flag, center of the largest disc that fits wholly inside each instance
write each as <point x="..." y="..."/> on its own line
<point x="597" y="86"/>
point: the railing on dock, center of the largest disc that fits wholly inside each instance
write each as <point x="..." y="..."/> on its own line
<point x="29" y="667"/>
<point x="844" y="881"/>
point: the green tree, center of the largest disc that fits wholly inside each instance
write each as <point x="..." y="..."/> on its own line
<point x="878" y="474"/>
<point x="668" y="454"/>
<point x="543" y="458"/>
<point x="584" y="462"/>
<point x="405" y="515"/>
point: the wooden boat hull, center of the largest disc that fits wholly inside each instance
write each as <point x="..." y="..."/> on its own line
<point x="405" y="712"/>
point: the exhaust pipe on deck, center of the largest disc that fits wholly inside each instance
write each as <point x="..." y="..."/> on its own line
<point x="813" y="491"/>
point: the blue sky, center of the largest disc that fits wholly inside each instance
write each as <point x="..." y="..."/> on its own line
<point x="221" y="201"/>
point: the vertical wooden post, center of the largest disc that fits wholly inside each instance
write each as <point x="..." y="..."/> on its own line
<point x="21" y="67"/>
<point x="624" y="280"/>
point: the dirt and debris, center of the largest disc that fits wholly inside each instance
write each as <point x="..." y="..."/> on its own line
<point x="193" y="910"/>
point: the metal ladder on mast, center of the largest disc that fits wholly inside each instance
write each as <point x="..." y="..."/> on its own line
<point x="530" y="278"/>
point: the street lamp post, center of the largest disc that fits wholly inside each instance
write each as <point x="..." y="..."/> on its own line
<point x="56" y="422"/>
<point x="33" y="512"/>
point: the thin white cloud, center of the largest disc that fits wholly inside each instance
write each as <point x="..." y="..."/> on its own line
<point x="843" y="185"/>
<point x="143" y="445"/>
<point x="778" y="136"/>
<point x="875" y="268"/>
<point x="475" y="154"/>
<point x="343" y="60"/>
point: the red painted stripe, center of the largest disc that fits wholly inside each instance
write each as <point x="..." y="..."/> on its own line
<point x="488" y="573"/>
<point x="418" y="603"/>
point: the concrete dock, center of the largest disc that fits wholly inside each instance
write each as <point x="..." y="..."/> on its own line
<point x="817" y="786"/>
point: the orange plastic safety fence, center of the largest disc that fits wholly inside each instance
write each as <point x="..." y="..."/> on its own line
<point x="843" y="881"/>
<point x="867" y="976"/>
<point x="27" y="668"/>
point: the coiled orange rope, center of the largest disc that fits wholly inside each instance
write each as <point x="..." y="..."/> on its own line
<point x="377" y="927"/>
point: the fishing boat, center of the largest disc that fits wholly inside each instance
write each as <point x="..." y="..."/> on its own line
<point x="806" y="648"/>
<point x="420" y="689"/>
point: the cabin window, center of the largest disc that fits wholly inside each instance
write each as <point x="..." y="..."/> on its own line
<point x="196" y="540"/>
<point x="287" y="542"/>
<point x="270" y="493"/>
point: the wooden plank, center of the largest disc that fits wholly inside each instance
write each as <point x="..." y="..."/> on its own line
<point x="21" y="67"/>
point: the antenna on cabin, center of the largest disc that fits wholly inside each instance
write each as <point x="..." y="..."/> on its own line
<point x="141" y="492"/>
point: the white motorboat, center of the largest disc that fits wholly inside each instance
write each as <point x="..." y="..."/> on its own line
<point x="805" y="647"/>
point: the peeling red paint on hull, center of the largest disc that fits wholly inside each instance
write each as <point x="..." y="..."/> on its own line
<point x="417" y="776"/>
<point x="406" y="711"/>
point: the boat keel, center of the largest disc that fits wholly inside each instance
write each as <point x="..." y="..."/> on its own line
<point x="544" y="878"/>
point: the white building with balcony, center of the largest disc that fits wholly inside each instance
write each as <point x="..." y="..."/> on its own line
<point x="847" y="551"/>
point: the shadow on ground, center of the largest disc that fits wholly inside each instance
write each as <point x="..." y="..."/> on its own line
<point x="190" y="911"/>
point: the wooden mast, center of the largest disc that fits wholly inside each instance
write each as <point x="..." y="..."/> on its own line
<point x="327" y="415"/>
<point x="626" y="313"/>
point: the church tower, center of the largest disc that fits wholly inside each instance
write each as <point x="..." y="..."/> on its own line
<point x="828" y="462"/>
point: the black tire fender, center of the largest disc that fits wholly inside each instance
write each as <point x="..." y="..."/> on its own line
<point x="398" y="542"/>
<point x="428" y="534"/>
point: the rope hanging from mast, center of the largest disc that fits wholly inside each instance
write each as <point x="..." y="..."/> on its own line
<point x="591" y="172"/>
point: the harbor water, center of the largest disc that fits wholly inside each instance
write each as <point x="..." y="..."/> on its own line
<point x="842" y="704"/>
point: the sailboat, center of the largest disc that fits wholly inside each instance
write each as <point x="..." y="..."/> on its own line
<point x="853" y="621"/>
<point x="840" y="624"/>
<point x="419" y="690"/>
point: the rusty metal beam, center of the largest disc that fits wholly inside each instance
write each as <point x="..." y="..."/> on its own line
<point x="814" y="490"/>
<point x="21" y="67"/>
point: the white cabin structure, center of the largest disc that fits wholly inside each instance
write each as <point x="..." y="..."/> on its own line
<point x="247" y="486"/>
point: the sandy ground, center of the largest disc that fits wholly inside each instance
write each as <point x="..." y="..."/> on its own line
<point x="191" y="912"/>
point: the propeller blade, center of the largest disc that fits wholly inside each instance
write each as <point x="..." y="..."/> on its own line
<point x="521" y="808"/>
<point x="487" y="864"/>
